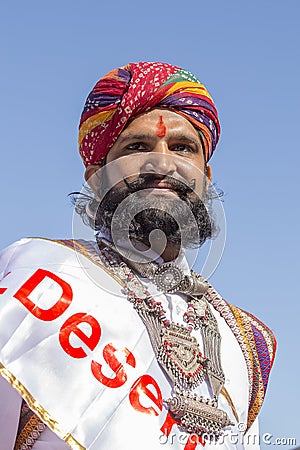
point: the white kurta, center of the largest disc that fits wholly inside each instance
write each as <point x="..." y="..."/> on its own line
<point x="121" y="426"/>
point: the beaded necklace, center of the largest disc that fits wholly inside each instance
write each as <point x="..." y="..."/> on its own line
<point x="178" y="352"/>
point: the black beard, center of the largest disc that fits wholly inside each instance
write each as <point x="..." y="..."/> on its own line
<point x="170" y="214"/>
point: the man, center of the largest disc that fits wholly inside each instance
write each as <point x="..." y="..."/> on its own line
<point x="117" y="343"/>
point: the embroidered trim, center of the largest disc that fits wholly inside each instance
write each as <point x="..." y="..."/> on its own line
<point x="33" y="404"/>
<point x="29" y="429"/>
<point x="258" y="345"/>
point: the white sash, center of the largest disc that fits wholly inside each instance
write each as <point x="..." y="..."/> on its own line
<point x="78" y="352"/>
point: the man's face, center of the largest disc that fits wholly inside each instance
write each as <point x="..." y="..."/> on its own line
<point x="154" y="180"/>
<point x="162" y="142"/>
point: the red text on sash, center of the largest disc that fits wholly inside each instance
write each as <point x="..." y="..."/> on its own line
<point x="140" y="388"/>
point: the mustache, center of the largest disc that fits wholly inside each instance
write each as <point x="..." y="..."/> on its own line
<point x="146" y="180"/>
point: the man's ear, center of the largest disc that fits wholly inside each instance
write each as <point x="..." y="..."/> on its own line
<point x="207" y="180"/>
<point x="208" y="172"/>
<point x="91" y="177"/>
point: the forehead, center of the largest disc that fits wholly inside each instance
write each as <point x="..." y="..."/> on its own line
<point x="148" y="122"/>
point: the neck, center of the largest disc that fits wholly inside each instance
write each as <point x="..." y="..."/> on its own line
<point x="170" y="252"/>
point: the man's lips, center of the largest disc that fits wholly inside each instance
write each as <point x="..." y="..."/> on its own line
<point x="161" y="186"/>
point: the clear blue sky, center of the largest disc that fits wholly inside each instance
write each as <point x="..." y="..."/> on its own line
<point x="247" y="54"/>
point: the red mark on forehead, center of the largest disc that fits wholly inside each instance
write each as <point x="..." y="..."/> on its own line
<point x="161" y="128"/>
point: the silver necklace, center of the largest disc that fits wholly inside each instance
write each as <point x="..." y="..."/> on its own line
<point x="178" y="352"/>
<point x="168" y="277"/>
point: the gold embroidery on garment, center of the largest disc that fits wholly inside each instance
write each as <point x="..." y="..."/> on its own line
<point x="39" y="410"/>
<point x="226" y="394"/>
<point x="29" y="430"/>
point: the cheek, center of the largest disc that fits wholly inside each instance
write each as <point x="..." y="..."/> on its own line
<point x="191" y="170"/>
<point x="124" y="167"/>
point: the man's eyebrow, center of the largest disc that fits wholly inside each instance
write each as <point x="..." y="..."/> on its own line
<point x="147" y="137"/>
<point x="134" y="137"/>
<point x="185" y="138"/>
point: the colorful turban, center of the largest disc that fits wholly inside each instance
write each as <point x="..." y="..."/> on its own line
<point x="129" y="91"/>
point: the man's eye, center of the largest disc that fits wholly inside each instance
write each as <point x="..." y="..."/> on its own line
<point x="136" y="146"/>
<point x="183" y="148"/>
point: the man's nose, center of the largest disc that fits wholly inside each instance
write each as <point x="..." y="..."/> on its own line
<point x="160" y="160"/>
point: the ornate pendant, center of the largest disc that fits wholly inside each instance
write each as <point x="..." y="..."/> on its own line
<point x="198" y="415"/>
<point x="178" y="352"/>
<point x="168" y="278"/>
<point x="180" y="356"/>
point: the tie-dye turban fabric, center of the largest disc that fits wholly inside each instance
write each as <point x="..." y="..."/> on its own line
<point x="129" y="91"/>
